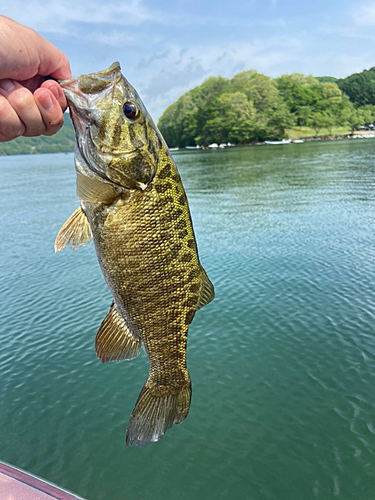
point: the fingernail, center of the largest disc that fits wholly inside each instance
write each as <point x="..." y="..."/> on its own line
<point x="7" y="85"/>
<point x="55" y="91"/>
<point x="45" y="101"/>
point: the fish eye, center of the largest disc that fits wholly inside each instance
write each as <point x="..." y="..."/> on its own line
<point x="130" y="110"/>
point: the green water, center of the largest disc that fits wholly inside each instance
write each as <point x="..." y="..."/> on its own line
<point x="282" y="362"/>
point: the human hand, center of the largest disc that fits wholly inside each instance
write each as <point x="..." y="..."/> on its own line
<point x="30" y="105"/>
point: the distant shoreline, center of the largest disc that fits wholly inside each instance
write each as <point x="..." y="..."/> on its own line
<point x="324" y="138"/>
<point x="334" y="137"/>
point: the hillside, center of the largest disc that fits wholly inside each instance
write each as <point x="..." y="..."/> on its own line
<point x="252" y="107"/>
<point x="326" y="79"/>
<point x="61" y="142"/>
<point x="359" y="87"/>
<point x="247" y="108"/>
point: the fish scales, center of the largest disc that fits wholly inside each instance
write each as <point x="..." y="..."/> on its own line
<point x="134" y="207"/>
<point x="158" y="280"/>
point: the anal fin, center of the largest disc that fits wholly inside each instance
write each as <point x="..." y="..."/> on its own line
<point x="114" y="341"/>
<point x="207" y="292"/>
<point x="76" y="230"/>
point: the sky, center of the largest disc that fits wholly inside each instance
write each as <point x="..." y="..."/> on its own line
<point x="166" y="48"/>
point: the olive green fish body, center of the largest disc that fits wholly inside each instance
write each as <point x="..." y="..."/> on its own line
<point x="142" y="230"/>
<point x="147" y="252"/>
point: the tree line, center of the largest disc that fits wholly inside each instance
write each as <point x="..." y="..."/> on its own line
<point x="247" y="108"/>
<point x="62" y="142"/>
<point x="359" y="87"/>
<point x="252" y="107"/>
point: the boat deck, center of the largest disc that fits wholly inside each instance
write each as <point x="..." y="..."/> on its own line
<point x="16" y="484"/>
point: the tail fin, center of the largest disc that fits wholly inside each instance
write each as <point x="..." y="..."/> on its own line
<point x="155" y="411"/>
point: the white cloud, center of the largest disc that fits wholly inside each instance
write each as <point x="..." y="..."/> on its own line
<point x="56" y="17"/>
<point x="59" y="17"/>
<point x="177" y="70"/>
<point x="261" y="54"/>
<point x="113" y="38"/>
<point x="166" y="49"/>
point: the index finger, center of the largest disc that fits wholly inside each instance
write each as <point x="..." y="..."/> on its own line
<point x="57" y="91"/>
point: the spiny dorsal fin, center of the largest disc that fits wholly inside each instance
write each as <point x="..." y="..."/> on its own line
<point x="94" y="190"/>
<point x="114" y="341"/>
<point x="76" y="230"/>
<point x="207" y="292"/>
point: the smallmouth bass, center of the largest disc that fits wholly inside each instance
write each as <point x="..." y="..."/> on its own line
<point x="134" y="207"/>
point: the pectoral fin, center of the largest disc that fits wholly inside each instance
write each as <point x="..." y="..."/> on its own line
<point x="207" y="292"/>
<point x="76" y="230"/>
<point x="94" y="190"/>
<point x="114" y="340"/>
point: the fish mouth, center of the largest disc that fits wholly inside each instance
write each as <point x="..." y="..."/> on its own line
<point x="97" y="160"/>
<point x="85" y="96"/>
<point x="77" y="118"/>
<point x="78" y="103"/>
<point x="83" y="91"/>
<point x="93" y="83"/>
<point x="107" y="165"/>
<point x="81" y="115"/>
<point x="71" y="88"/>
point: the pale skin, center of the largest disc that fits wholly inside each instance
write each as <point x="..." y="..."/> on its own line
<point x="30" y="105"/>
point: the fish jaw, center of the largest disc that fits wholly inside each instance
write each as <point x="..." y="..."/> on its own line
<point x="112" y="147"/>
<point x="91" y="85"/>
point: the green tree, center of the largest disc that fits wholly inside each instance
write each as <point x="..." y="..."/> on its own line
<point x="325" y="79"/>
<point x="258" y="88"/>
<point x="303" y="114"/>
<point x="281" y="120"/>
<point x="253" y="107"/>
<point x="232" y="116"/>
<point x="330" y="99"/>
<point x="298" y="91"/>
<point x="185" y="119"/>
<point x="368" y="114"/>
<point x="178" y="123"/>
<point x="360" y="87"/>
<point x="319" y="120"/>
<point x="354" y="118"/>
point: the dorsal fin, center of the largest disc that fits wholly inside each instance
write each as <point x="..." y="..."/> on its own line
<point x="94" y="190"/>
<point x="114" y="340"/>
<point x="207" y="292"/>
<point x="76" y="230"/>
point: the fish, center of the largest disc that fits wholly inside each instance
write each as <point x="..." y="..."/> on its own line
<point x="134" y="207"/>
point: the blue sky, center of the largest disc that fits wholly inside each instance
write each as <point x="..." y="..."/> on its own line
<point x="166" y="48"/>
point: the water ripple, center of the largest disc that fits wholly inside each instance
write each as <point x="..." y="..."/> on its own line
<point x="282" y="362"/>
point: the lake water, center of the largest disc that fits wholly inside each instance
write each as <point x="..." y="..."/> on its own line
<point x="282" y="362"/>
